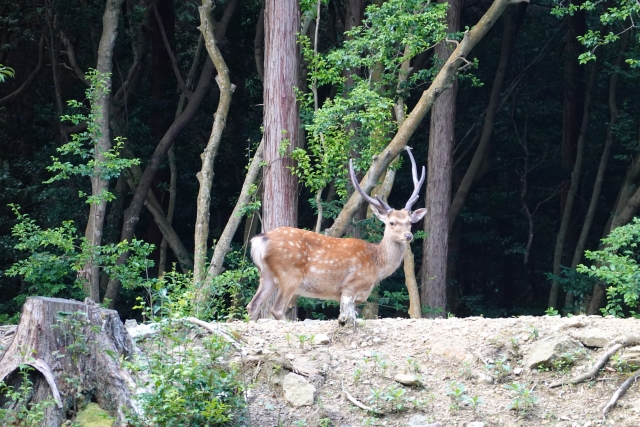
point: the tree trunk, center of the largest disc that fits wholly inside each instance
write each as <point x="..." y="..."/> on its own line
<point x="441" y="82"/>
<point x="573" y="188"/>
<point x="224" y="242"/>
<point x="101" y="110"/>
<point x="76" y="350"/>
<point x="281" y="120"/>
<point x="205" y="176"/>
<point x="438" y="195"/>
<point x="132" y="213"/>
<point x="597" y="186"/>
<point x="512" y="19"/>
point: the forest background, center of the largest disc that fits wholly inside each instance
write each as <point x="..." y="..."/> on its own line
<point x="150" y="134"/>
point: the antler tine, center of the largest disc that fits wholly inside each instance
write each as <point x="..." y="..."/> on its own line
<point x="377" y="201"/>
<point x="416" y="184"/>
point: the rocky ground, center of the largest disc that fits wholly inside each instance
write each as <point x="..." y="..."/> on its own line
<point x="472" y="372"/>
<point x="469" y="372"/>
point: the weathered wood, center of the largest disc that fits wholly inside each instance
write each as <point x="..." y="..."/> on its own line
<point x="75" y="349"/>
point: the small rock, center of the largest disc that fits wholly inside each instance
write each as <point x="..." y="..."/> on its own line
<point x="407" y="379"/>
<point x="367" y="353"/>
<point x="130" y="323"/>
<point x="592" y="337"/>
<point x="376" y="340"/>
<point x="631" y="355"/>
<point x="354" y="345"/>
<point x="485" y="378"/>
<point x="297" y="390"/>
<point x="546" y="350"/>
<point x="290" y="356"/>
<point x="475" y="424"/>
<point x="517" y="371"/>
<point x="320" y="339"/>
<point x="421" y="421"/>
<point x="450" y="349"/>
<point x="573" y="322"/>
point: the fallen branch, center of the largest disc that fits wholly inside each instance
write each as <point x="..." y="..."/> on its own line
<point x="357" y="403"/>
<point x="626" y="342"/>
<point x="620" y="392"/>
<point x="214" y="329"/>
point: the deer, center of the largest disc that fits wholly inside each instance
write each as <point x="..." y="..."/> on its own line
<point x="296" y="262"/>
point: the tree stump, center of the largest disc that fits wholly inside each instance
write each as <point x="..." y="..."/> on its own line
<point x="75" y="349"/>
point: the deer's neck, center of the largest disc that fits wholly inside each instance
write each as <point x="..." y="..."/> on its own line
<point x="390" y="254"/>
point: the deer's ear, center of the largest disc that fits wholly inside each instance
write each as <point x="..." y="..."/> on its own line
<point x="418" y="214"/>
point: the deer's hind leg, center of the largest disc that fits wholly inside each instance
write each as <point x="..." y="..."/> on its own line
<point x="288" y="288"/>
<point x="267" y="287"/>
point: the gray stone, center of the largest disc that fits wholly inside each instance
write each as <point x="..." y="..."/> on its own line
<point x="547" y="350"/>
<point x="297" y="390"/>
<point x="407" y="379"/>
<point x="592" y="337"/>
<point x="631" y="355"/>
<point x="421" y="421"/>
<point x="320" y="339"/>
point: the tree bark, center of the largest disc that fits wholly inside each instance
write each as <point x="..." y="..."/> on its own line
<point x="438" y="192"/>
<point x="281" y="120"/>
<point x="101" y="109"/>
<point x="91" y="342"/>
<point x="573" y="188"/>
<point x="205" y="176"/>
<point x="224" y="242"/>
<point x="441" y="82"/>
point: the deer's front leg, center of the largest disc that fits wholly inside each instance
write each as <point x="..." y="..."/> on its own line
<point x="347" y="310"/>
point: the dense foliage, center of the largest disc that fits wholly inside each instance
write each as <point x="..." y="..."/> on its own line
<point x="501" y="250"/>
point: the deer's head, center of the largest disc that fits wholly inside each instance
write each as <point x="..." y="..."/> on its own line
<point x="397" y="222"/>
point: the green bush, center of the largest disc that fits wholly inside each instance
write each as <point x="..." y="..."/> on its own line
<point x="617" y="266"/>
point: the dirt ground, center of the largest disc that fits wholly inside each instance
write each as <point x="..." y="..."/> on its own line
<point x="470" y="373"/>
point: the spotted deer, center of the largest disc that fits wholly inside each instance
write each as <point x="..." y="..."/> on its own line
<point x="299" y="262"/>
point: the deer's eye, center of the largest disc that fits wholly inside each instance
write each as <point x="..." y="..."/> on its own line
<point x="392" y="223"/>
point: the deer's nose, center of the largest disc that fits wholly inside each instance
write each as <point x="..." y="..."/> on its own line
<point x="408" y="236"/>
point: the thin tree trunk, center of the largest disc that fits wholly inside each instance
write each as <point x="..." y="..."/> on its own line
<point x="132" y="213"/>
<point x="512" y="19"/>
<point x="173" y="167"/>
<point x="441" y="82"/>
<point x="597" y="186"/>
<point x="223" y="244"/>
<point x="573" y="188"/>
<point x="101" y="110"/>
<point x="205" y="176"/>
<point x="438" y="193"/>
<point x="27" y="83"/>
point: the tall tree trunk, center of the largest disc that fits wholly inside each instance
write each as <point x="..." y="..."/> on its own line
<point x="101" y="110"/>
<point x="573" y="188"/>
<point x="512" y="19"/>
<point x="205" y="176"/>
<point x="438" y="195"/>
<point x="281" y="120"/>
<point x="606" y="153"/>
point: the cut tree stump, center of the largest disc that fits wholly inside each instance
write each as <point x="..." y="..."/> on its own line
<point x="75" y="349"/>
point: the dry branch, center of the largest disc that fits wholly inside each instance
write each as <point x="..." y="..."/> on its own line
<point x="626" y="342"/>
<point x="620" y="392"/>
